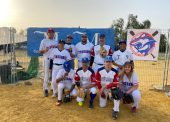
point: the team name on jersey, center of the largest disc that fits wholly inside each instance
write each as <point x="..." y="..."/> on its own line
<point x="84" y="51"/>
<point x="60" y="57"/>
<point x="51" y="46"/>
<point x="106" y="79"/>
<point x="127" y="84"/>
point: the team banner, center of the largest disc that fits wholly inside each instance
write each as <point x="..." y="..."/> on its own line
<point x="143" y="43"/>
<point x="35" y="35"/>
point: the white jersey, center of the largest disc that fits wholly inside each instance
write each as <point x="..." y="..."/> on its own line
<point x="85" y="77"/>
<point x="122" y="57"/>
<point x="105" y="78"/>
<point x="96" y="53"/>
<point x="83" y="50"/>
<point x="69" y="80"/>
<point x="59" y="57"/>
<point x="48" y="44"/>
<point x="127" y="84"/>
<point x="68" y="46"/>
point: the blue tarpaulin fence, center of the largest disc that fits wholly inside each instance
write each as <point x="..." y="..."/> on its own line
<point x="35" y="35"/>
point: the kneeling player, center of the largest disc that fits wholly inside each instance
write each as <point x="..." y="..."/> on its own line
<point x="107" y="79"/>
<point x="129" y="85"/>
<point x="85" y="80"/>
<point x="65" y="78"/>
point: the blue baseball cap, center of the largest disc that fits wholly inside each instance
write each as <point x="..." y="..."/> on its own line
<point x="102" y="36"/>
<point x="108" y="59"/>
<point x="67" y="66"/>
<point x="122" y="42"/>
<point x="85" y="60"/>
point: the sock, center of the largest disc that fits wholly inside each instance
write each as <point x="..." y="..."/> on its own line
<point x="92" y="96"/>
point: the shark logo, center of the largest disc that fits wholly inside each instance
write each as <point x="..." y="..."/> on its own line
<point x="143" y="44"/>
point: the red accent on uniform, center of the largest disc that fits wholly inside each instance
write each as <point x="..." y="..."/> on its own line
<point x="98" y="80"/>
<point x="110" y="52"/>
<point x="92" y="78"/>
<point x="77" y="77"/>
<point x="114" y="83"/>
<point x="92" y="52"/>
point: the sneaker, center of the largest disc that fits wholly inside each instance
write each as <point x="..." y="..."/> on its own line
<point x="133" y="110"/>
<point x="58" y="103"/>
<point x="54" y="95"/>
<point x="91" y="105"/>
<point x="115" y="114"/>
<point x="45" y="93"/>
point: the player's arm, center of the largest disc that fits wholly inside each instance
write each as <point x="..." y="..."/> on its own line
<point x="110" y="53"/>
<point x="73" y="52"/>
<point x="98" y="80"/>
<point x="42" y="48"/>
<point x="114" y="83"/>
<point x="92" y="57"/>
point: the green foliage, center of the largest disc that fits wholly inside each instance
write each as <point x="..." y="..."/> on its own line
<point x="133" y="23"/>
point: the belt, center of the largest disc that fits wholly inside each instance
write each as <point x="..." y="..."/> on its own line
<point x="57" y="64"/>
<point x="99" y="64"/>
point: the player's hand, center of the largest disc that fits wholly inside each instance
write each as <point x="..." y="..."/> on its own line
<point x="120" y="66"/>
<point x="46" y="49"/>
<point x="36" y="51"/>
<point x="102" y="89"/>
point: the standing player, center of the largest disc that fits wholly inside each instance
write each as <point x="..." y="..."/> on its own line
<point x="107" y="79"/>
<point x="121" y="56"/>
<point x="45" y="48"/>
<point x="85" y="80"/>
<point x="71" y="49"/>
<point x="129" y="85"/>
<point x="58" y="57"/>
<point x="65" y="80"/>
<point x="83" y="49"/>
<point x="99" y="53"/>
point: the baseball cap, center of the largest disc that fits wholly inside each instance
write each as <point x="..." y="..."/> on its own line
<point x="108" y="59"/>
<point x="102" y="36"/>
<point x="122" y="42"/>
<point x="50" y="30"/>
<point x="61" y="41"/>
<point x="85" y="60"/>
<point x="84" y="35"/>
<point x="70" y="36"/>
<point x="67" y="66"/>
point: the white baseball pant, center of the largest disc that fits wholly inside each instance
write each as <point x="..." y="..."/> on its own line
<point x="46" y="64"/>
<point x="61" y="86"/>
<point x="55" y="71"/>
<point x="102" y="101"/>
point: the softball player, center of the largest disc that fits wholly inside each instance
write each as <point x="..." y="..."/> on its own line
<point x="71" y="49"/>
<point x="83" y="49"/>
<point x="121" y="56"/>
<point x="129" y="84"/>
<point x="107" y="79"/>
<point x="85" y="76"/>
<point x="46" y="47"/>
<point x="97" y="55"/>
<point x="65" y="80"/>
<point x="58" y="56"/>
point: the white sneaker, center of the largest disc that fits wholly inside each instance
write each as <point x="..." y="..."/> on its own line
<point x="54" y="95"/>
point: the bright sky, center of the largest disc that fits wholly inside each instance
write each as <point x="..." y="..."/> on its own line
<point x="84" y="13"/>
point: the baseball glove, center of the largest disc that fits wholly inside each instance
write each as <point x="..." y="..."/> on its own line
<point x="80" y="93"/>
<point x="116" y="94"/>
<point x="67" y="97"/>
<point x="127" y="98"/>
<point x="103" y="52"/>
